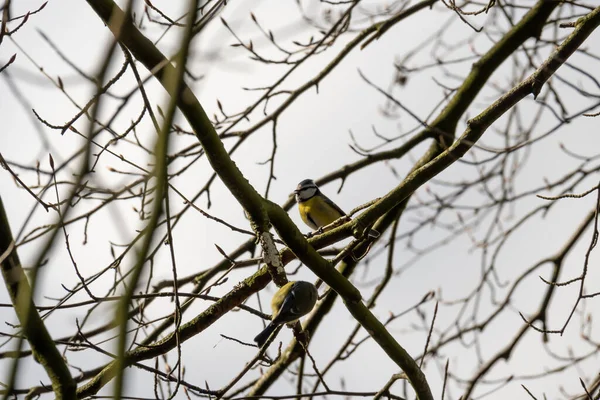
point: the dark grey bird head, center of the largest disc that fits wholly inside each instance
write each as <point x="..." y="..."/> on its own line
<point x="305" y="190"/>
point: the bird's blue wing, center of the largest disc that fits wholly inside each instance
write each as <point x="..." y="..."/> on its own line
<point x="333" y="205"/>
<point x="288" y="310"/>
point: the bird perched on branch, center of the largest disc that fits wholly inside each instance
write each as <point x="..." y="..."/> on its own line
<point x="316" y="209"/>
<point x="292" y="301"/>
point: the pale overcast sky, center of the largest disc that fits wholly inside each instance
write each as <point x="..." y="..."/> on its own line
<point x="313" y="138"/>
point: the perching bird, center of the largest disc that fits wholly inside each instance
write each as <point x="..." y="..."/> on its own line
<point x="292" y="301"/>
<point x="316" y="209"/>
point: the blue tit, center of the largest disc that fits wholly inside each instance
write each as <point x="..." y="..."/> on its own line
<point x="316" y="209"/>
<point x="292" y="301"/>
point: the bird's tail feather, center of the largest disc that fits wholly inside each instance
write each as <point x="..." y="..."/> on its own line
<point x="262" y="337"/>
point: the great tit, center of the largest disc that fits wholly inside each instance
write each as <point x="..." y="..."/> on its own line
<point x="316" y="209"/>
<point x="292" y="301"/>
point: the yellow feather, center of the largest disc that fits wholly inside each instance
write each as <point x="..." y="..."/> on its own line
<point x="317" y="212"/>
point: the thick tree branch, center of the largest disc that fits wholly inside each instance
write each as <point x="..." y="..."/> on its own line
<point x="33" y="328"/>
<point x="478" y="125"/>
<point x="259" y="209"/>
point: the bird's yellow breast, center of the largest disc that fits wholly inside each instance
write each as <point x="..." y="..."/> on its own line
<point x="316" y="212"/>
